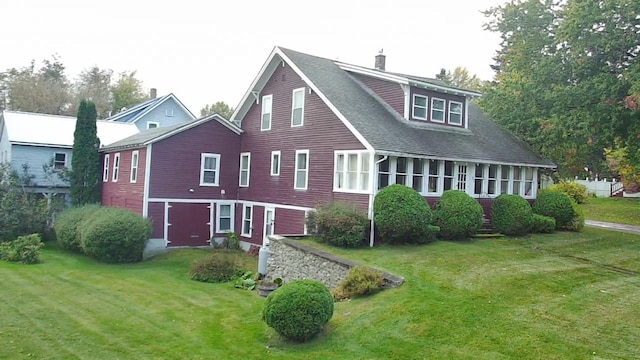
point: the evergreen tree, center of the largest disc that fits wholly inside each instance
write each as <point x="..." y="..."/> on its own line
<point x="85" y="163"/>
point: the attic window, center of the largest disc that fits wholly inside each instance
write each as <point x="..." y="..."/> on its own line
<point x="168" y="112"/>
<point x="455" y="113"/>
<point x="420" y="107"/>
<point x="437" y="110"/>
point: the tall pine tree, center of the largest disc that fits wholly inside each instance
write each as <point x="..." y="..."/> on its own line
<point x="85" y="164"/>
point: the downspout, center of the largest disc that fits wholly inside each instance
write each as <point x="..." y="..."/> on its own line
<point x="373" y="191"/>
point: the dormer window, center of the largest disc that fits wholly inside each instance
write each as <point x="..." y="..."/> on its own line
<point x="455" y="113"/>
<point x="437" y="110"/>
<point x="419" y="107"/>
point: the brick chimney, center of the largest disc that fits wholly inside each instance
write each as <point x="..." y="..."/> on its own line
<point x="380" y="60"/>
<point x="153" y="93"/>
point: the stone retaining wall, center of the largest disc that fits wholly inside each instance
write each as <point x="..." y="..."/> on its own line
<point x="291" y="260"/>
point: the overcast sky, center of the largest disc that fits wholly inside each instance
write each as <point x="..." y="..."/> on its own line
<point x="208" y="51"/>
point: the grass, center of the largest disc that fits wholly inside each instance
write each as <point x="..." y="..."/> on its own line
<point x="556" y="296"/>
<point x="615" y="209"/>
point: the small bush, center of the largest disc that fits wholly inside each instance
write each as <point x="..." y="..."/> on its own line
<point x="402" y="215"/>
<point x="215" y="268"/>
<point x="361" y="280"/>
<point x="555" y="204"/>
<point x="458" y="215"/>
<point x="577" y="222"/>
<point x="577" y="192"/>
<point x="115" y="235"/>
<point x="511" y="215"/>
<point x="298" y="310"/>
<point x="25" y="249"/>
<point x="68" y="223"/>
<point x="543" y="224"/>
<point x="341" y="224"/>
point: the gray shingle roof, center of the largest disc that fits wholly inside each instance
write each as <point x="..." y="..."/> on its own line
<point x="388" y="132"/>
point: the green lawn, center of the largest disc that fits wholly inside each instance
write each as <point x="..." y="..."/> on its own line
<point x="614" y="209"/>
<point x="559" y="296"/>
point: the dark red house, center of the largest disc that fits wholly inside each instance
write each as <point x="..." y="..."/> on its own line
<point x="315" y="130"/>
<point x="184" y="177"/>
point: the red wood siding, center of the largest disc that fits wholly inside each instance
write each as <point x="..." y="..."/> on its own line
<point x="321" y="134"/>
<point x="360" y="200"/>
<point x="124" y="193"/>
<point x="156" y="214"/>
<point x="448" y="97"/>
<point x="175" y="163"/>
<point x="289" y="222"/>
<point x="388" y="91"/>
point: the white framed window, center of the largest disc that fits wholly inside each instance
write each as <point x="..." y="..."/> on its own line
<point x="479" y="186"/>
<point x="517" y="180"/>
<point x="301" y="176"/>
<point x="168" y="112"/>
<point x="528" y="182"/>
<point x="209" y="169"/>
<point x="116" y="167"/>
<point x="247" y="215"/>
<point x="297" y="107"/>
<point x="224" y="218"/>
<point x="418" y="175"/>
<point x="265" y="119"/>
<point x="420" y="107"/>
<point x="245" y="169"/>
<point x="59" y="161"/>
<point x="134" y="166"/>
<point x="105" y="169"/>
<point x="152" y="124"/>
<point x="505" y="175"/>
<point x="383" y="173"/>
<point x="352" y="171"/>
<point x="433" y="184"/>
<point x="492" y="189"/>
<point x="461" y="175"/>
<point x="401" y="171"/>
<point x="275" y="163"/>
<point x="455" y="113"/>
<point x="437" y="110"/>
<point x="448" y="176"/>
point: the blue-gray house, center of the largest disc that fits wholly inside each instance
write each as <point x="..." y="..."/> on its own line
<point x="156" y="112"/>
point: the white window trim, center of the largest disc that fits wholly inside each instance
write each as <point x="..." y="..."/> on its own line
<point x="450" y="112"/>
<point x="296" y="169"/>
<point x="244" y="219"/>
<point x="231" y="215"/>
<point x="262" y="112"/>
<point x="293" y="97"/>
<point x="116" y="167"/>
<point x="426" y="107"/>
<point x="134" y="166"/>
<point x="273" y="156"/>
<point x="444" y="110"/>
<point x="65" y="160"/>
<point x="157" y="124"/>
<point x="203" y="157"/>
<point x="105" y="169"/>
<point x="248" y="170"/>
<point x="168" y="112"/>
<point x="346" y="154"/>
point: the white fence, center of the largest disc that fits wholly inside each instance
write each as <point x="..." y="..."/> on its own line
<point x="601" y="187"/>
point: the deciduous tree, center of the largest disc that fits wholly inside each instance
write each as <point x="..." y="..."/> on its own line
<point x="94" y="84"/>
<point x="127" y="92"/>
<point x="220" y="108"/>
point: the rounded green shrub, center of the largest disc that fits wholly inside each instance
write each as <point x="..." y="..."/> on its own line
<point x="577" y="192"/>
<point x="555" y="204"/>
<point x="543" y="224"/>
<point x="341" y="224"/>
<point x="458" y="215"/>
<point x="298" y="310"/>
<point x="68" y="223"/>
<point x="25" y="249"/>
<point x="115" y="235"/>
<point x="360" y="281"/>
<point x="215" y="268"/>
<point x="511" y="215"/>
<point x="402" y="215"/>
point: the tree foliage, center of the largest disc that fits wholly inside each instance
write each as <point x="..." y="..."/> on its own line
<point x="566" y="78"/>
<point x="460" y="78"/>
<point x="85" y="162"/>
<point x="21" y="212"/>
<point x="220" y="108"/>
<point x="126" y="92"/>
<point x="94" y="84"/>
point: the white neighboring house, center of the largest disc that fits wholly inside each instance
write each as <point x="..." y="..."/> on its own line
<point x="37" y="139"/>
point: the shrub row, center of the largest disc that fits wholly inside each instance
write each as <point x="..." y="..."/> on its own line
<point x="112" y="235"/>
<point x="339" y="224"/>
<point x="25" y="249"/>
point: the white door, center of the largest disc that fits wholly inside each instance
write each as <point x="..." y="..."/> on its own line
<point x="269" y="216"/>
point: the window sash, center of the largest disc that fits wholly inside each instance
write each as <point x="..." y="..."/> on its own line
<point x="302" y="170"/>
<point x="437" y="110"/>
<point x="245" y="169"/>
<point x="134" y="166"/>
<point x="265" y="117"/>
<point x="209" y="169"/>
<point x="275" y="163"/>
<point x="455" y="113"/>
<point x="247" y="215"/>
<point x="59" y="161"/>
<point x="105" y="170"/>
<point x="297" y="108"/>
<point x="116" y="167"/>
<point x="225" y="218"/>
<point x="352" y="171"/>
<point x="419" y="110"/>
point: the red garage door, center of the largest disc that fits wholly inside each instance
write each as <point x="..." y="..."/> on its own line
<point x="189" y="224"/>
